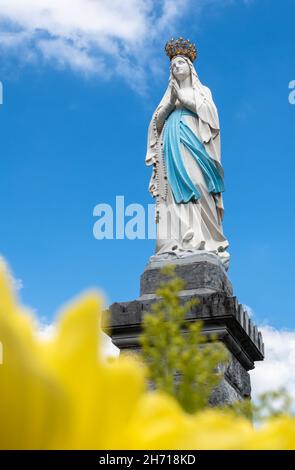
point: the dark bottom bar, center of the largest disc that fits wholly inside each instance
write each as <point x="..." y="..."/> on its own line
<point x="133" y="459"/>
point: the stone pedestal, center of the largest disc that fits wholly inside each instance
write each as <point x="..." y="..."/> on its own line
<point x="218" y="308"/>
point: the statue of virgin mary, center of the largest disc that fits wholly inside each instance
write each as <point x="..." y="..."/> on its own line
<point x="184" y="149"/>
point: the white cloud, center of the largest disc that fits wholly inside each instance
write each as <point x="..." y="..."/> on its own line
<point x="46" y="331"/>
<point x="277" y="370"/>
<point x="93" y="36"/>
<point x="108" y="347"/>
<point x="103" y="37"/>
<point x="64" y="53"/>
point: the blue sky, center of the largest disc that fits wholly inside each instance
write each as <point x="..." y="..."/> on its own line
<point x="78" y="98"/>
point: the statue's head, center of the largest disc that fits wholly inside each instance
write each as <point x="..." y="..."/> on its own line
<point x="181" y="53"/>
<point x="180" y="68"/>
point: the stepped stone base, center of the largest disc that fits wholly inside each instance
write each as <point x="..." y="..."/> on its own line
<point x="218" y="308"/>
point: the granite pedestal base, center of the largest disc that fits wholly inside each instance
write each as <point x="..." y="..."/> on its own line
<point x="220" y="311"/>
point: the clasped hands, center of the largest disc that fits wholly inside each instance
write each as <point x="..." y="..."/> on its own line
<point x="176" y="93"/>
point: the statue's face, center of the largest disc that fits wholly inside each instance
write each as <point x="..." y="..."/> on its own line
<point x="180" y="68"/>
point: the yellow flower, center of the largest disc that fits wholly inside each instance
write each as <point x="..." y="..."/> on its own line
<point x="60" y="393"/>
<point x="167" y="426"/>
<point x="278" y="433"/>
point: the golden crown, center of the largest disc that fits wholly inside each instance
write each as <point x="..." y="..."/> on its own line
<point x="181" y="46"/>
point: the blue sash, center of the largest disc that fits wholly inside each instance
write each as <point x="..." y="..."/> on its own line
<point x="176" y="132"/>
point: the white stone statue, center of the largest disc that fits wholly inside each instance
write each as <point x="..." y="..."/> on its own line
<point x="184" y="149"/>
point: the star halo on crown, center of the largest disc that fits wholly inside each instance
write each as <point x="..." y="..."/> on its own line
<point x="181" y="46"/>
